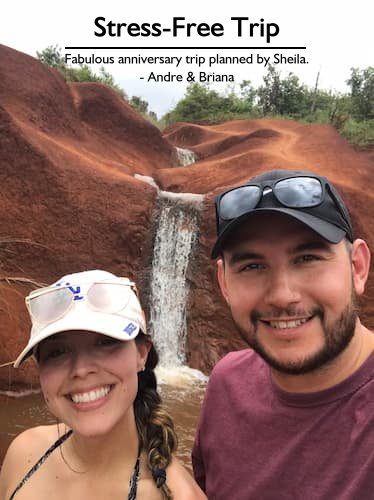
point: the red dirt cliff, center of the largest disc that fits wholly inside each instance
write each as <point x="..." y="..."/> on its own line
<point x="69" y="200"/>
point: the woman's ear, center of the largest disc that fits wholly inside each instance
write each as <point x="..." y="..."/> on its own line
<point x="360" y="261"/>
<point x="143" y="349"/>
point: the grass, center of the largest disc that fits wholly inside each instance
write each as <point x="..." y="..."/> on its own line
<point x="359" y="133"/>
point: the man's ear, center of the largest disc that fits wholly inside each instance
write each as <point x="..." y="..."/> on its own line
<point x="360" y="265"/>
<point x="222" y="279"/>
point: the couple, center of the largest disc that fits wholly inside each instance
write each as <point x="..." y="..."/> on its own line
<point x="289" y="419"/>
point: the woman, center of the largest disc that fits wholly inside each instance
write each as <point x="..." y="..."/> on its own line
<point x="112" y="439"/>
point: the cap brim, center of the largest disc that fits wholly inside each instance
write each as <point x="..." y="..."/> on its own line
<point x="111" y="325"/>
<point x="328" y="231"/>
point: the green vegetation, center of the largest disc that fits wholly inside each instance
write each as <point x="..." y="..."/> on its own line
<point x="360" y="133"/>
<point x="352" y="113"/>
<point x="141" y="106"/>
<point x="361" y="83"/>
<point x="52" y="56"/>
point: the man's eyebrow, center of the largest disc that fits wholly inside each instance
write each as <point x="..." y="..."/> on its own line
<point x="312" y="245"/>
<point x="243" y="256"/>
<point x="315" y="244"/>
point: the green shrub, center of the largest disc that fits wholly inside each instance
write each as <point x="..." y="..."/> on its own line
<point x="360" y="133"/>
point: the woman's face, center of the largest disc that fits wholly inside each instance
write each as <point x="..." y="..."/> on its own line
<point x="89" y="380"/>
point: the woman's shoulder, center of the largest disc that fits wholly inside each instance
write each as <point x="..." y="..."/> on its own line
<point x="181" y="482"/>
<point x="23" y="452"/>
<point x="33" y="440"/>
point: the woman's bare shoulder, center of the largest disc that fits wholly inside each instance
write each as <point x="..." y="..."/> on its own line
<point x="23" y="452"/>
<point x="182" y="484"/>
<point x="33" y="440"/>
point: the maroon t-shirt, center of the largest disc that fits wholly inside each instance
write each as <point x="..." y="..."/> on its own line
<point x="257" y="442"/>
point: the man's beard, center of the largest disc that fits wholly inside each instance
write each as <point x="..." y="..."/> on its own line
<point x="337" y="336"/>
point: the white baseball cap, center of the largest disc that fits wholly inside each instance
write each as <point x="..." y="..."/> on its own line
<point x="92" y="301"/>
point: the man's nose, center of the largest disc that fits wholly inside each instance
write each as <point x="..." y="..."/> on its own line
<point x="283" y="289"/>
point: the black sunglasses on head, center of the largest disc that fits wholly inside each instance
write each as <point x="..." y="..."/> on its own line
<point x="292" y="192"/>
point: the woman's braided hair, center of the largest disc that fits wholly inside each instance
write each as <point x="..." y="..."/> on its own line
<point x="155" y="427"/>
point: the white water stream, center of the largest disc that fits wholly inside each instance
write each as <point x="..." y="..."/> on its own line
<point x="177" y="217"/>
<point x="173" y="245"/>
<point x="185" y="157"/>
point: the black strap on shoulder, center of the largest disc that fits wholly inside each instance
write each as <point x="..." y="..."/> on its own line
<point x="134" y="479"/>
<point x="40" y="462"/>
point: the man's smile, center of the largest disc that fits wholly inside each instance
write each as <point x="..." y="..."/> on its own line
<point x="284" y="324"/>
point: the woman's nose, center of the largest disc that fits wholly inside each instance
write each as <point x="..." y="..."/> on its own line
<point x="83" y="362"/>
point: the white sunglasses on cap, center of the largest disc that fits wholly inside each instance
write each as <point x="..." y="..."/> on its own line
<point x="51" y="303"/>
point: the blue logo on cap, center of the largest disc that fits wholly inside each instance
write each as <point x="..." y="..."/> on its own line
<point x="130" y="328"/>
<point x="75" y="291"/>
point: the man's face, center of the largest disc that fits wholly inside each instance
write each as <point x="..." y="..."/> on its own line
<point x="291" y="293"/>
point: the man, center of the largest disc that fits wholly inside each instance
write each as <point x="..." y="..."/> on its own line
<point x="290" y="418"/>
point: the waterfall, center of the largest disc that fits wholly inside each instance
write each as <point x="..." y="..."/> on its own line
<point x="176" y="235"/>
<point x="185" y="157"/>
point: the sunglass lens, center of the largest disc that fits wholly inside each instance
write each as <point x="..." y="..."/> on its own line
<point x="108" y="297"/>
<point x="299" y="192"/>
<point x="51" y="305"/>
<point x="238" y="201"/>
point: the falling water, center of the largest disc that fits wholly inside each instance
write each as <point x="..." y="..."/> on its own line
<point x="173" y="246"/>
<point x="177" y="224"/>
<point x="185" y="157"/>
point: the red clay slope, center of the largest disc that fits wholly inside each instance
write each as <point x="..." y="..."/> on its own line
<point x="68" y="198"/>
<point x="232" y="152"/>
<point x="76" y="120"/>
<point x="67" y="158"/>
